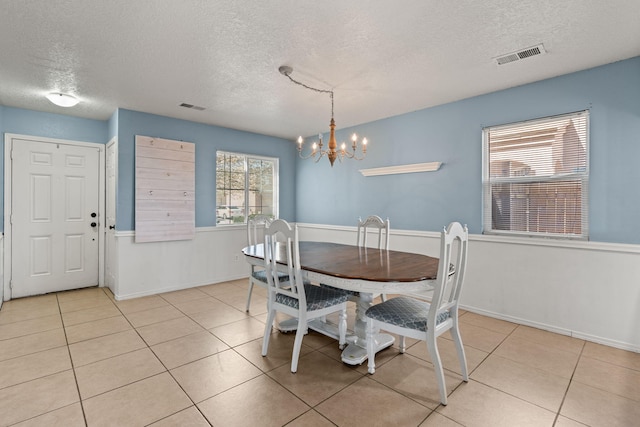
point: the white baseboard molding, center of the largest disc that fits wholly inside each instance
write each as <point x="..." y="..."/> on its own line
<point x="179" y="287"/>
<point x="554" y="329"/>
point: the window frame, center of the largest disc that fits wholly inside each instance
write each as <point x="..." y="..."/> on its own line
<point x="246" y="158"/>
<point x="582" y="176"/>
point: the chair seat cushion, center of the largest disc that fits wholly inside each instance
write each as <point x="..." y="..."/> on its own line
<point x="317" y="297"/>
<point x="404" y="312"/>
<point x="261" y="275"/>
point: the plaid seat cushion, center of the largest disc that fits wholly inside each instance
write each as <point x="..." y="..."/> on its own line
<point x="317" y="297"/>
<point x="404" y="312"/>
<point x="261" y="275"/>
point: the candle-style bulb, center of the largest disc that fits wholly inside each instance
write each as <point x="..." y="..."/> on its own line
<point x="300" y="140"/>
<point x="354" y="137"/>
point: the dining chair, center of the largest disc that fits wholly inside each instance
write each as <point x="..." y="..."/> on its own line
<point x="255" y="234"/>
<point x="381" y="227"/>
<point x="418" y="319"/>
<point x="303" y="301"/>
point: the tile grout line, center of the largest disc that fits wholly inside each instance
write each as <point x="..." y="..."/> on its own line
<point x="167" y="370"/>
<point x="73" y="368"/>
<point x="566" y="392"/>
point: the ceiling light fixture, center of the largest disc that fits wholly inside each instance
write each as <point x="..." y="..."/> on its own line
<point x="62" y="99"/>
<point x="332" y="151"/>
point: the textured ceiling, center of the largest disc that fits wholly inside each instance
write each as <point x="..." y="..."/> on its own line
<point x="382" y="58"/>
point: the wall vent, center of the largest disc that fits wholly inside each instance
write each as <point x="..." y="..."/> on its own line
<point x="521" y="54"/>
<point x="191" y="106"/>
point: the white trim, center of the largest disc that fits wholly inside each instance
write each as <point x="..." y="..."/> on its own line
<point x="1" y="271"/>
<point x="276" y="182"/>
<point x="8" y="144"/>
<point x="410" y="233"/>
<point x="579" y="176"/>
<point x="556" y="330"/>
<point x="558" y="243"/>
<point x="209" y="229"/>
<point x="178" y="287"/>
<point x="393" y="170"/>
<point x="523" y="241"/>
<point x="113" y="142"/>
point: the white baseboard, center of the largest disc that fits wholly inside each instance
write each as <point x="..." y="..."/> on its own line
<point x="177" y="287"/>
<point x="575" y="334"/>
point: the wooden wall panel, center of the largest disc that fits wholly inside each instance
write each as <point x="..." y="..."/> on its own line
<point x="165" y="190"/>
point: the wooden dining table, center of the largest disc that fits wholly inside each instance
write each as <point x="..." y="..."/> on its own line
<point x="368" y="271"/>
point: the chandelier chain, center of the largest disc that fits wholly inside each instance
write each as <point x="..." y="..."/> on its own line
<point x="330" y="92"/>
<point x="332" y="151"/>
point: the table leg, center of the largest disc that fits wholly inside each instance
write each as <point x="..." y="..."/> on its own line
<point x="356" y="351"/>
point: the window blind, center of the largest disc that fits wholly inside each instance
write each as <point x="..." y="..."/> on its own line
<point x="536" y="176"/>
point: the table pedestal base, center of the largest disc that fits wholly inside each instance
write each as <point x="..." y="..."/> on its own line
<point x="356" y="352"/>
<point x="289" y="325"/>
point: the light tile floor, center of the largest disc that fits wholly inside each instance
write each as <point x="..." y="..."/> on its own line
<point x="192" y="358"/>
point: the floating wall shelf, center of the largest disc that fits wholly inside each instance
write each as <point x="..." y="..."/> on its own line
<point x="393" y="170"/>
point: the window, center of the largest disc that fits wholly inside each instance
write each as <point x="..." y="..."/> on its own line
<point x="536" y="176"/>
<point x="245" y="186"/>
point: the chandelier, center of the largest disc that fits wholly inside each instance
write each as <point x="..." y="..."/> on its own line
<point x="332" y="151"/>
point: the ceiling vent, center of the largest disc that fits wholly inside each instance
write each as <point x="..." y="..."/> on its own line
<point x="193" y="107"/>
<point x="521" y="54"/>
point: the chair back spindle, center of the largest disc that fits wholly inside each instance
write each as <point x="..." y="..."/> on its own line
<point x="255" y="235"/>
<point x="373" y="222"/>
<point x="281" y="247"/>
<point x="454" y="241"/>
<point x="255" y="228"/>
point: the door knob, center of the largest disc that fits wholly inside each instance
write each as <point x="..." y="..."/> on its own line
<point x="93" y="214"/>
<point x="93" y="224"/>
<point x="111" y="227"/>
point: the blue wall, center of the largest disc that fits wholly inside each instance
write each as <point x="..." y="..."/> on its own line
<point x="34" y="123"/>
<point x="452" y="134"/>
<point x="126" y="124"/>
<point x="208" y="139"/>
<point x="49" y="125"/>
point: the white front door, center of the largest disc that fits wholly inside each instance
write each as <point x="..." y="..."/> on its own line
<point x="54" y="217"/>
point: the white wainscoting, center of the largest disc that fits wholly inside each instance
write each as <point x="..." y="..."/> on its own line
<point x="1" y="270"/>
<point x="213" y="256"/>
<point x="588" y="290"/>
